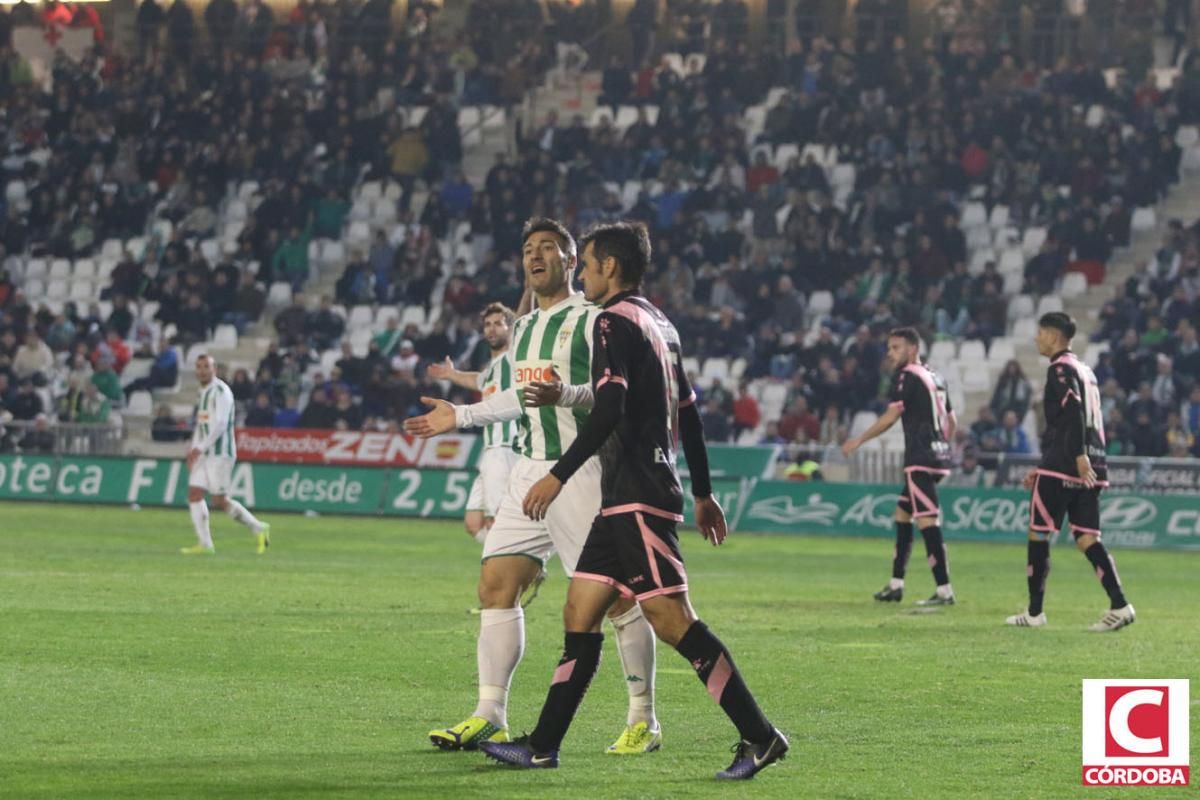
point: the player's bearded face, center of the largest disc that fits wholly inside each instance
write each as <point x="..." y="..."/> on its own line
<point x="204" y="370"/>
<point x="495" y="331"/>
<point x="545" y="262"/>
<point x="899" y="352"/>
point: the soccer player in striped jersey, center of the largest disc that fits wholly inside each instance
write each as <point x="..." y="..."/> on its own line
<point x="1068" y="481"/>
<point x="553" y="340"/>
<point x="918" y="398"/>
<point x="210" y="460"/>
<point x="499" y="456"/>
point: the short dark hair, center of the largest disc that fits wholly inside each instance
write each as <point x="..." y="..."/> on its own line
<point x="627" y="242"/>
<point x="498" y="308"/>
<point x="906" y="333"/>
<point x="538" y="224"/>
<point x="1060" y="322"/>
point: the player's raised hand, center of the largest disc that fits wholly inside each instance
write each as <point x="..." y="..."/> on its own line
<point x="540" y="496"/>
<point x="544" y="393"/>
<point x="710" y="519"/>
<point x="440" y="420"/>
<point x="441" y="371"/>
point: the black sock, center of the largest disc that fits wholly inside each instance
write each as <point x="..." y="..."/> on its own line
<point x="1037" y="568"/>
<point x="904" y="543"/>
<point x="936" y="549"/>
<point x="1106" y="571"/>
<point x="715" y="668"/>
<point x="576" y="668"/>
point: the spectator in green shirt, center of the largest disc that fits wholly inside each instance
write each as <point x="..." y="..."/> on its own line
<point x="95" y="407"/>
<point x="290" y="261"/>
<point x="106" y="380"/>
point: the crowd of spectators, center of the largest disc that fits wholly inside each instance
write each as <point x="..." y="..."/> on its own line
<point x="307" y="109"/>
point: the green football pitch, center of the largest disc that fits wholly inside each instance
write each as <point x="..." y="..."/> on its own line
<point x="127" y="670"/>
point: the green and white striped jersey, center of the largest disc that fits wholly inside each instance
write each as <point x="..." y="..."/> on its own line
<point x="558" y="337"/>
<point x="497" y="377"/>
<point x="215" y="419"/>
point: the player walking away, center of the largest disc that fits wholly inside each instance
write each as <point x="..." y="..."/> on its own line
<point x="554" y="339"/>
<point x="641" y="398"/>
<point x="1069" y="478"/>
<point x="210" y="461"/>
<point x="919" y="399"/>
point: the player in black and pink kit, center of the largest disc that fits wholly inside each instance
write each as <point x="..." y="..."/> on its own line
<point x="1068" y="481"/>
<point x="920" y="401"/>
<point x="643" y="403"/>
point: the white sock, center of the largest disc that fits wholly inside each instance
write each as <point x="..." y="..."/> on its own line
<point x="896" y="583"/>
<point x="501" y="645"/>
<point x="635" y="646"/>
<point x="239" y="513"/>
<point x="199" y="511"/>
<point x="945" y="591"/>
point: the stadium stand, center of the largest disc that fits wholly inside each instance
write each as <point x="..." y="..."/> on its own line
<point x="347" y="216"/>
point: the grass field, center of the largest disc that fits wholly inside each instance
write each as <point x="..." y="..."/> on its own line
<point x="127" y="670"/>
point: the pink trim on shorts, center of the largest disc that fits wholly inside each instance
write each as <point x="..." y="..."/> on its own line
<point x="629" y="508"/>
<point x="1068" y="478"/>
<point x="653" y="545"/>
<point x="687" y="401"/>
<point x="1036" y="506"/>
<point x="916" y="495"/>
<point x="591" y="576"/>
<point x="658" y="592"/>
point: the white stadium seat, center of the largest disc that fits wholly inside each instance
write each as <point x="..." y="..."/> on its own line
<point x="60" y="269"/>
<point x="942" y="352"/>
<point x="279" y="295"/>
<point x="1074" y="284"/>
<point x="85" y="268"/>
<point x="1048" y="304"/>
<point x="1020" y="306"/>
<point x="225" y="337"/>
<point x="361" y="317"/>
<point x="972" y="352"/>
<point x="1144" y="219"/>
<point x="1002" y="350"/>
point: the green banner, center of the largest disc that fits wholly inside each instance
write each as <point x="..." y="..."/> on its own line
<point x="768" y="506"/>
<point x="991" y="515"/>
<point x="735" y="461"/>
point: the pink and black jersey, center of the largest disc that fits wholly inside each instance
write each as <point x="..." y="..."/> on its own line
<point x="1074" y="419"/>
<point x="636" y="346"/>
<point x="920" y="394"/>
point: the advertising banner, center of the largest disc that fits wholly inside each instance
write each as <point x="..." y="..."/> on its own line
<point x="766" y="506"/>
<point x="735" y="461"/>
<point x="1127" y="474"/>
<point x="988" y="515"/>
<point x="303" y="446"/>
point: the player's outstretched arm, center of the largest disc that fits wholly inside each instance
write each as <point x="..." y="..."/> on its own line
<point x="440" y="419"/>
<point x="446" y="371"/>
<point x="887" y="420"/>
<point x="445" y="417"/>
